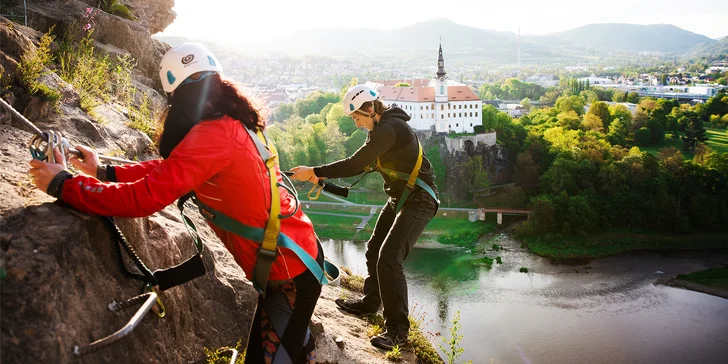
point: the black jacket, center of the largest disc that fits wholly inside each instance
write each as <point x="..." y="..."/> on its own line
<point x="395" y="144"/>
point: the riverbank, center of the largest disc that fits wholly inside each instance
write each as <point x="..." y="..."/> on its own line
<point x="607" y="244"/>
<point x="713" y="281"/>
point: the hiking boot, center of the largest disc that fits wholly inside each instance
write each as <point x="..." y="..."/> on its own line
<point x="387" y="341"/>
<point x="357" y="307"/>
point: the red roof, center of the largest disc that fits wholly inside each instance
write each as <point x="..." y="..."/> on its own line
<point x="416" y="83"/>
<point x="461" y="93"/>
<point x="425" y="94"/>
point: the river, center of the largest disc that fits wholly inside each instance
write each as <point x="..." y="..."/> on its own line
<point x="605" y="310"/>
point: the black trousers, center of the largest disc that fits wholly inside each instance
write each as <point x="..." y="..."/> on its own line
<point x="279" y="333"/>
<point x="394" y="236"/>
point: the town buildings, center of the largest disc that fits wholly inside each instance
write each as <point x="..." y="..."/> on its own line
<point x="439" y="103"/>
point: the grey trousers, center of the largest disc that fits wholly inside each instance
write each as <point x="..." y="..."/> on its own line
<point x="394" y="236"/>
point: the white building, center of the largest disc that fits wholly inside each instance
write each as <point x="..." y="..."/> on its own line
<point x="445" y="104"/>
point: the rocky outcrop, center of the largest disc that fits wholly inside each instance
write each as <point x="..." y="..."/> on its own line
<point x="129" y="36"/>
<point x="58" y="269"/>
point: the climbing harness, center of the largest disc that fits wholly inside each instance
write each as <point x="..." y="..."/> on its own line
<point x="270" y="237"/>
<point x="412" y="179"/>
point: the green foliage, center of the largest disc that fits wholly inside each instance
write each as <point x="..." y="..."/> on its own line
<point x="394" y="355"/>
<point x="714" y="277"/>
<point x="523" y="270"/>
<point x="601" y="110"/>
<point x="571" y="103"/>
<point x="619" y="96"/>
<point x="452" y="347"/>
<point x="96" y="78"/>
<point x="223" y="355"/>
<point x="511" y="89"/>
<point x="498" y="260"/>
<point x="657" y="132"/>
<point x="433" y="155"/>
<point x="141" y="118"/>
<point x="32" y="65"/>
<point x="353" y="282"/>
<point x="633" y="97"/>
<point x="115" y="8"/>
<point x="402" y="84"/>
<point x="314" y="103"/>
<point x="374" y="330"/>
<point x="421" y="345"/>
<point x="475" y="175"/>
<point x="642" y="136"/>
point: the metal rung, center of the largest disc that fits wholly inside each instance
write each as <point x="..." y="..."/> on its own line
<point x="151" y="298"/>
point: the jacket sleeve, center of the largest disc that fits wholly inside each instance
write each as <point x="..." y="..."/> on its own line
<point x="136" y="171"/>
<point x="380" y="140"/>
<point x="206" y="150"/>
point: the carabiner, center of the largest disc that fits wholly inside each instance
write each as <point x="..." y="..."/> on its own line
<point x="158" y="308"/>
<point x="316" y="190"/>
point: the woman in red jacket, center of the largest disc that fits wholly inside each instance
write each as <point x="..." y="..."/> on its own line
<point x="207" y="149"/>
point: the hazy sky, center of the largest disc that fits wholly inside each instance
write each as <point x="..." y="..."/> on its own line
<point x="243" y="21"/>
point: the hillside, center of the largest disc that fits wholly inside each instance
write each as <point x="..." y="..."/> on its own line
<point x="710" y="48"/>
<point x="474" y="42"/>
<point x="633" y="37"/>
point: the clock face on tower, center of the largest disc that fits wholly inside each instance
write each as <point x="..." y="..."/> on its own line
<point x="439" y="64"/>
<point x="442" y="79"/>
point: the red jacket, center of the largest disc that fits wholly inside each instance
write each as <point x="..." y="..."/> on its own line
<point x="218" y="160"/>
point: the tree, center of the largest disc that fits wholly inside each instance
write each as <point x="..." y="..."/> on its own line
<point x="488" y="96"/>
<point x="569" y="120"/>
<point x="694" y="133"/>
<point x="402" y="84"/>
<point x="593" y="122"/>
<point x="657" y="132"/>
<point x="633" y="98"/>
<point x="526" y="102"/>
<point x="601" y="110"/>
<point x="621" y="112"/>
<point x="590" y="96"/>
<point x="345" y="122"/>
<point x="619" y="96"/>
<point x="642" y="136"/>
<point x="475" y="175"/>
<point x="617" y="132"/>
<point x="570" y="103"/>
<point x="355" y="141"/>
<point x="722" y="81"/>
<point x="550" y="97"/>
<point x="283" y="112"/>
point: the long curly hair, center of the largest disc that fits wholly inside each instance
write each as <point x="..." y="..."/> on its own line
<point x="210" y="98"/>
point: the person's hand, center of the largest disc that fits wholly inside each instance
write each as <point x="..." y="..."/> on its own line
<point x="303" y="173"/>
<point x="86" y="164"/>
<point x="44" y="172"/>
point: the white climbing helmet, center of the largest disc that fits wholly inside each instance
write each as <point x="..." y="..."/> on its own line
<point x="356" y="96"/>
<point x="183" y="61"/>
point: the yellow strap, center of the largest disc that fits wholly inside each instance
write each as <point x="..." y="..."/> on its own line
<point x="273" y="227"/>
<point x="415" y="171"/>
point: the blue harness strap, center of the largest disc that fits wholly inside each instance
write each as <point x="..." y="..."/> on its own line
<point x="256" y="234"/>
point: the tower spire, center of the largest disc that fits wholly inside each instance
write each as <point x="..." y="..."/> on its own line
<point x="440" y="62"/>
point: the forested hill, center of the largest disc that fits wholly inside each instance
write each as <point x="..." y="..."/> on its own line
<point x="468" y="41"/>
<point x="633" y="37"/>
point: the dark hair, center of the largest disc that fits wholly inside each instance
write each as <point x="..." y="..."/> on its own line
<point x="207" y="99"/>
<point x="377" y="106"/>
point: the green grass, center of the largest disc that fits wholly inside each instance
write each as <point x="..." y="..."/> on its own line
<point x="606" y="244"/>
<point x="458" y="231"/>
<point x="714" y="278"/>
<point x="370" y="198"/>
<point x="667" y="142"/>
<point x="717" y="139"/>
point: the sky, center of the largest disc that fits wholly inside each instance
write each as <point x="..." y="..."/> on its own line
<point x="244" y="21"/>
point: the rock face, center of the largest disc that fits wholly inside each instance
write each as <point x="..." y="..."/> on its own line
<point x="62" y="273"/>
<point x="133" y="37"/>
<point x="58" y="268"/>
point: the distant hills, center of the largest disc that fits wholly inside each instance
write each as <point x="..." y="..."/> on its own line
<point x="631" y="37"/>
<point x="465" y="42"/>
